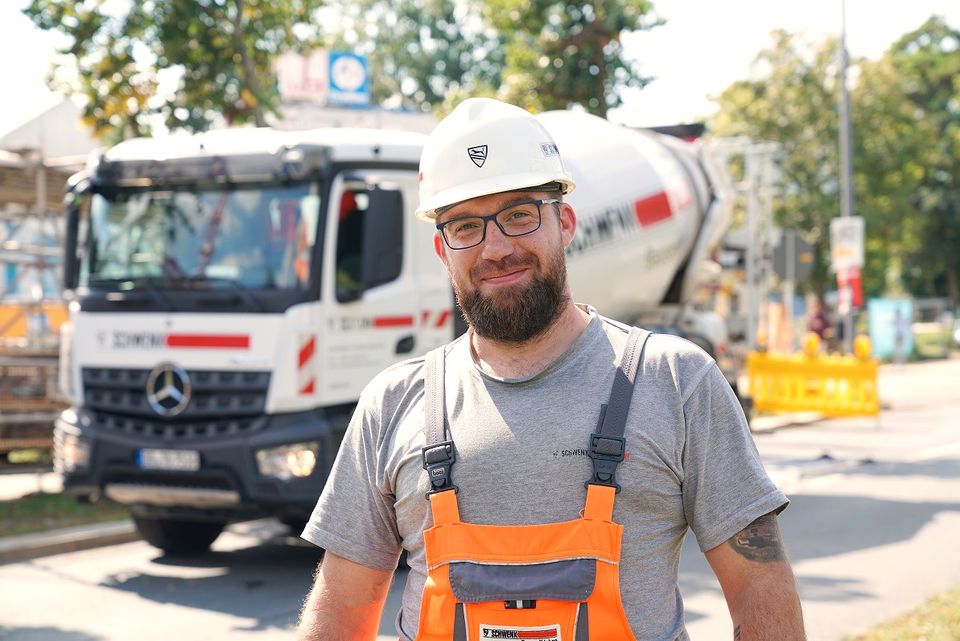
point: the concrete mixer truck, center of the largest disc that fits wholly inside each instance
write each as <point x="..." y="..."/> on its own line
<point x="233" y="291"/>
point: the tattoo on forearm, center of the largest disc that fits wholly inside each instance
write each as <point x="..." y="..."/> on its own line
<point x="759" y="541"/>
<point x="736" y="633"/>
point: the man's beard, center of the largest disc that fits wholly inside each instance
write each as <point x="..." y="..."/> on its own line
<point x="516" y="314"/>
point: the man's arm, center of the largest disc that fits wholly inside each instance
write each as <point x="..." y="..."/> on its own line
<point x="345" y="603"/>
<point x="758" y="583"/>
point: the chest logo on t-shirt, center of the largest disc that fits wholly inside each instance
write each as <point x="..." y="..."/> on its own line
<point x="579" y="451"/>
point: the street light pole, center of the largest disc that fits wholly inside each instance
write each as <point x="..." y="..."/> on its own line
<point x="846" y="180"/>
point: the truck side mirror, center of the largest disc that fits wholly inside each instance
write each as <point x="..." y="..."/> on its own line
<point x="382" y="237"/>
<point x="71" y="257"/>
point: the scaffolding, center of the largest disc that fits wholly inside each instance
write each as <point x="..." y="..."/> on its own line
<point x="31" y="306"/>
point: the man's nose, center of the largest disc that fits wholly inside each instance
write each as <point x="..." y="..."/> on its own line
<point x="496" y="245"/>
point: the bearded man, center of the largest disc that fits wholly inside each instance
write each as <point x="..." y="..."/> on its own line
<point x="530" y="505"/>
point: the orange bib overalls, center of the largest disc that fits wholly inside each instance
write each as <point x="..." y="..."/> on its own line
<point x="550" y="582"/>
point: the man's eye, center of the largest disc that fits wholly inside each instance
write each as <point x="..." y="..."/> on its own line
<point x="464" y="226"/>
<point x="518" y="216"/>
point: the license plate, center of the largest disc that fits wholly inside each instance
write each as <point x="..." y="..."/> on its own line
<point x="177" y="460"/>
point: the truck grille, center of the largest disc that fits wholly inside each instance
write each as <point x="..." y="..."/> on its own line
<point x="221" y="404"/>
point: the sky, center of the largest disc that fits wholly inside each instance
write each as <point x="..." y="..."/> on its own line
<point x="704" y="46"/>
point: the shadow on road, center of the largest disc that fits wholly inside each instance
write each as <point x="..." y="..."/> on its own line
<point x="940" y="469"/>
<point x="45" y="633"/>
<point x="265" y="584"/>
<point x="820" y="526"/>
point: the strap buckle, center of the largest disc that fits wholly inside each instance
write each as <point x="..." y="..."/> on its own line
<point x="606" y="452"/>
<point x="437" y="459"/>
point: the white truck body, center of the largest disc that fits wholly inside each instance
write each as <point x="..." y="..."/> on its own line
<point x="211" y="376"/>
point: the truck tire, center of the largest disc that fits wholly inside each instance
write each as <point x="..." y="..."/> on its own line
<point x="176" y="536"/>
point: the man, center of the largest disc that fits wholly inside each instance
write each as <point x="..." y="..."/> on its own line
<point x="523" y="393"/>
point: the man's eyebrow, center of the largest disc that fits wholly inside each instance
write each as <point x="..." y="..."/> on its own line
<point x="469" y="213"/>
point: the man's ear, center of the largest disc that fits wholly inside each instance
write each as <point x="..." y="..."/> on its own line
<point x="440" y="248"/>
<point x="568" y="223"/>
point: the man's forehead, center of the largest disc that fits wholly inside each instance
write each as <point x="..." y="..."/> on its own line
<point x="483" y="205"/>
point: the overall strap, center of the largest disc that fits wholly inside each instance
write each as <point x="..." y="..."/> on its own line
<point x="607" y="445"/>
<point x="438" y="454"/>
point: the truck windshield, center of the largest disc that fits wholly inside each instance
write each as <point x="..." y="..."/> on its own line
<point x="253" y="237"/>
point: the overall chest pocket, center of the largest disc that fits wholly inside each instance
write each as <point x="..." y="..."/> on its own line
<point x="545" y="601"/>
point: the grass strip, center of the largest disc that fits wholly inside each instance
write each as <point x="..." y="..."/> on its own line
<point x="42" y="511"/>
<point x="936" y="620"/>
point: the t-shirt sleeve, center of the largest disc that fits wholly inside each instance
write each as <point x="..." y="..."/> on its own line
<point x="354" y="516"/>
<point x="725" y="487"/>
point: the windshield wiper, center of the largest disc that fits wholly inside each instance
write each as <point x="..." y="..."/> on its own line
<point x="216" y="280"/>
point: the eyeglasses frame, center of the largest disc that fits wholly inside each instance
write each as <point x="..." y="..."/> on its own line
<point x="539" y="202"/>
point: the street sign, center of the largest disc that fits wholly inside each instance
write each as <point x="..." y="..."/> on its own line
<point x="846" y="243"/>
<point x="349" y="81"/>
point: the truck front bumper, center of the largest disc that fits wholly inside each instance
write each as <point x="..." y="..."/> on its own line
<point x="222" y="474"/>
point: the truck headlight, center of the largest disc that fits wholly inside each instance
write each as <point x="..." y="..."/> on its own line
<point x="296" y="460"/>
<point x="71" y="452"/>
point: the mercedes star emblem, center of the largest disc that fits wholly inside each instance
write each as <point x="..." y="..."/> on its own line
<point x="168" y="389"/>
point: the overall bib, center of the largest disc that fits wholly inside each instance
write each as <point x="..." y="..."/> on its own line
<point x="549" y="582"/>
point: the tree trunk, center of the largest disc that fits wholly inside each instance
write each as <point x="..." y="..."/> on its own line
<point x="249" y="72"/>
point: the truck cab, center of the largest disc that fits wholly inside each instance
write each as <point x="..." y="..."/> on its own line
<point x="231" y="294"/>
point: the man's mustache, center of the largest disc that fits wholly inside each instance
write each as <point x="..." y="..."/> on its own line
<point x="487" y="268"/>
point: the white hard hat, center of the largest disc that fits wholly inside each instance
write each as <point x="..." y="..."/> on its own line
<point x="486" y="147"/>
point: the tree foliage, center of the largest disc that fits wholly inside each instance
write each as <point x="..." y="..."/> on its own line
<point x="560" y="54"/>
<point x="419" y="51"/>
<point x="793" y="105"/>
<point x="541" y="54"/>
<point x="217" y="53"/>
<point x="906" y="152"/>
<point x="927" y="63"/>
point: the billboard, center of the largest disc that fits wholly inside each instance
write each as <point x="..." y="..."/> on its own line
<point x="891" y="322"/>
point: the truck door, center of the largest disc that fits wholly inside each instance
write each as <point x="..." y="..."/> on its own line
<point x="369" y="285"/>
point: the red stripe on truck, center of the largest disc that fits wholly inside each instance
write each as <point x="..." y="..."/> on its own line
<point x="393" y="321"/>
<point x="306" y="352"/>
<point x="210" y="341"/>
<point x="652" y="209"/>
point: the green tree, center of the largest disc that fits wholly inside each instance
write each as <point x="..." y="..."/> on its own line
<point x="419" y="51"/>
<point x="218" y="52"/>
<point x="927" y="61"/>
<point x="560" y="54"/>
<point x="889" y="148"/>
<point x="541" y="54"/>
<point x="794" y="105"/>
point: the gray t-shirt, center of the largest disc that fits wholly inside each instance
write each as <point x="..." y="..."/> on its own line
<point x="522" y="459"/>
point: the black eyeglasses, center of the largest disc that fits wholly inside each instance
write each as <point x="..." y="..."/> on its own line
<point x="518" y="219"/>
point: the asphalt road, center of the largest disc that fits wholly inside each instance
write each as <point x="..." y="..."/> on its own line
<point x="871" y="530"/>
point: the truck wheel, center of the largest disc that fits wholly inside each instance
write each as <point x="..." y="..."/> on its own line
<point x="178" y="537"/>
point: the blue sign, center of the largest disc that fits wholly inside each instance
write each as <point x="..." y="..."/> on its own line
<point x="349" y="80"/>
<point x="891" y="327"/>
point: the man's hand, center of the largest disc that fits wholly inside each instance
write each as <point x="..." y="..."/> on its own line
<point x="758" y="584"/>
<point x="345" y="603"/>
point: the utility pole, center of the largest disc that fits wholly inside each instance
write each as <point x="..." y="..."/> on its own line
<point x="846" y="180"/>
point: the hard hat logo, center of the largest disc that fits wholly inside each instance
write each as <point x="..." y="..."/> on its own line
<point x="478" y="154"/>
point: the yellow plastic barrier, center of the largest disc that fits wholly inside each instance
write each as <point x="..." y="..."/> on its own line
<point x="830" y="384"/>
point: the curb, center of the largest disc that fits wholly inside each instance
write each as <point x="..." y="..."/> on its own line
<point x="84" y="537"/>
<point x="785" y="475"/>
<point x="770" y="424"/>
